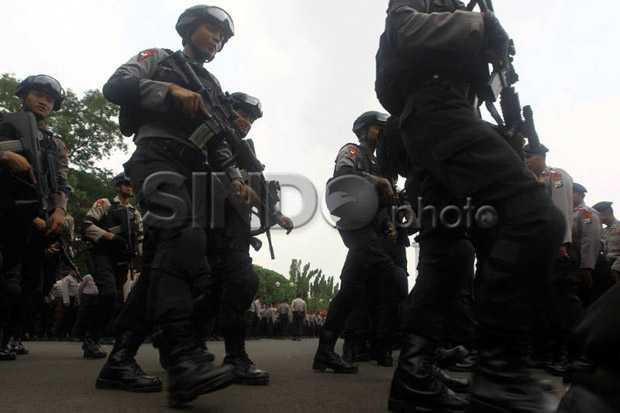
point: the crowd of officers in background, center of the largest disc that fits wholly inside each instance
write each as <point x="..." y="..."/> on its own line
<point x="44" y="295"/>
<point x="372" y="306"/>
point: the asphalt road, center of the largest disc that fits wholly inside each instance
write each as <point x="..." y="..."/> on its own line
<point x="54" y="378"/>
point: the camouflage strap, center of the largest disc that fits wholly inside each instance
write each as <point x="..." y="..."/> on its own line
<point x="116" y="230"/>
<point x="11" y="145"/>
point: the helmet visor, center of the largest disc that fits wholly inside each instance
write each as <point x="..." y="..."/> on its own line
<point x="382" y="118"/>
<point x="249" y="104"/>
<point x="48" y="83"/>
<point x="220" y="16"/>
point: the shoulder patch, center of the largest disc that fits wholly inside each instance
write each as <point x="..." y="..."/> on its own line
<point x="146" y="54"/>
<point x="586" y="215"/>
<point x="557" y="179"/>
<point x="351" y="151"/>
<point x="102" y="202"/>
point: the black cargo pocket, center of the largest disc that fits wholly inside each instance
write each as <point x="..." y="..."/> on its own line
<point x="456" y="165"/>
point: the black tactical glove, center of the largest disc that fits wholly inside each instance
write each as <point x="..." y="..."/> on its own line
<point x="496" y="38"/>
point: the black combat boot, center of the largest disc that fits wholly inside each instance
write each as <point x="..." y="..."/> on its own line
<point x="190" y="373"/>
<point x="348" y="349"/>
<point x="122" y="372"/>
<point x="202" y="345"/>
<point x="361" y="349"/>
<point x="456" y="384"/>
<point x="557" y="367"/>
<point x="415" y="386"/>
<point x="18" y="347"/>
<point x="501" y="384"/>
<point x="326" y="358"/>
<point x="7" y="354"/>
<point x="205" y="349"/>
<point x="355" y="349"/>
<point x="580" y="365"/>
<point x="244" y="369"/>
<point x="91" y="349"/>
<point x="382" y="351"/>
<point x="449" y="356"/>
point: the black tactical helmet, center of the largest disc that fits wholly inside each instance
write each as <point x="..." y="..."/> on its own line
<point x="249" y="104"/>
<point x="579" y="188"/>
<point x="429" y="7"/>
<point x="191" y="18"/>
<point x="535" y="150"/>
<point x="45" y="83"/>
<point x="369" y="119"/>
<point x="603" y="206"/>
<point x="121" y="178"/>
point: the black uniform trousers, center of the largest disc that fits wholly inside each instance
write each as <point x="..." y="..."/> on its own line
<point x="463" y="157"/>
<point x="16" y="233"/>
<point x="298" y="323"/>
<point x="26" y="308"/>
<point x="376" y="315"/>
<point x="107" y="267"/>
<point x="236" y="287"/>
<point x="366" y="260"/>
<point x="174" y="249"/>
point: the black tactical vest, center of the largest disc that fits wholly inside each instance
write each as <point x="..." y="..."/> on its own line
<point x="132" y="117"/>
<point x="121" y="217"/>
<point x="396" y="78"/>
<point x="12" y="127"/>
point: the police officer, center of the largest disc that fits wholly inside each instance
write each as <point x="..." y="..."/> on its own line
<point x="298" y="306"/>
<point x="114" y="229"/>
<point x="610" y="236"/>
<point x="356" y="177"/>
<point x="232" y="265"/>
<point x="162" y="106"/>
<point x="558" y="315"/>
<point x="427" y="65"/>
<point x="586" y="241"/>
<point x="36" y="197"/>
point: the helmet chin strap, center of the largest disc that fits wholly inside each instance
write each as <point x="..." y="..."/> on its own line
<point x="201" y="54"/>
<point x="26" y="108"/>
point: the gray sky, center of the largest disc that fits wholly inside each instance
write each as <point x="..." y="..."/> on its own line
<point x="312" y="65"/>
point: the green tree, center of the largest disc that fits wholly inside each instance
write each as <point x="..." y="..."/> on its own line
<point x="313" y="286"/>
<point x="87" y="188"/>
<point x="273" y="287"/>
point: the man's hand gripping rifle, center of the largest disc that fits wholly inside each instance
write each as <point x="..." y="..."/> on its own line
<point x="218" y="125"/>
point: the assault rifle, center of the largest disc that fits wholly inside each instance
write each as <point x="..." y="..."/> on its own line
<point x="66" y="254"/>
<point x="28" y="145"/>
<point x="218" y="125"/>
<point x="501" y="86"/>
